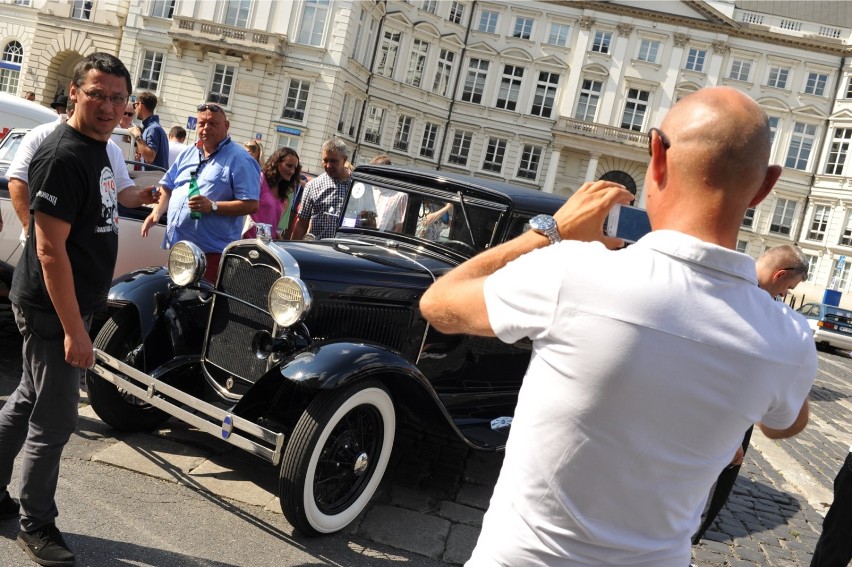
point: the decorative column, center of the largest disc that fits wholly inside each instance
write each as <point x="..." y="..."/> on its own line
<point x="592" y="167"/>
<point x="552" y="168"/>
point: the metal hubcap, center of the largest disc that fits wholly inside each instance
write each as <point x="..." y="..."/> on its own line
<point x="362" y="461"/>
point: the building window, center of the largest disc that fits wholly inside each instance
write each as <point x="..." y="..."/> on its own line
<point x="634" y="109"/>
<point x="223" y="82"/>
<point x="559" y="34"/>
<point x="510" y="87"/>
<point x="782" y="218"/>
<point x="530" y="162"/>
<point x="846" y="236"/>
<point x="474" y="84"/>
<point x="815" y="84"/>
<point x="10" y="67"/>
<point x="363" y="51"/>
<point x="648" y="50"/>
<point x="587" y="103"/>
<point x="162" y="8"/>
<point x="819" y="223"/>
<point x="460" y="148"/>
<point x="748" y="218"/>
<point x="443" y="72"/>
<point x="849" y="88"/>
<point x="289" y="141"/>
<point x="373" y="125"/>
<point x="297" y="100"/>
<point x="236" y="13"/>
<point x="313" y="22"/>
<point x="456" y="12"/>
<point x="545" y="94"/>
<point x="812" y="262"/>
<point x="152" y="68"/>
<point x="838" y="151"/>
<point x="523" y="27"/>
<point x="840" y="275"/>
<point x="28" y="3"/>
<point x="344" y="113"/>
<point x="429" y="6"/>
<point x="403" y="133"/>
<point x="695" y="59"/>
<point x="388" y="53"/>
<point x="740" y="70"/>
<point x="778" y="77"/>
<point x="356" y="117"/>
<point x="416" y="63"/>
<point x="81" y="9"/>
<point x="742" y="246"/>
<point x="427" y="144"/>
<point x="801" y="143"/>
<point x="773" y="128"/>
<point x="488" y="21"/>
<point x="602" y="41"/>
<point x="495" y="153"/>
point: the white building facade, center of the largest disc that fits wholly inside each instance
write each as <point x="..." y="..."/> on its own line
<point x="546" y="95"/>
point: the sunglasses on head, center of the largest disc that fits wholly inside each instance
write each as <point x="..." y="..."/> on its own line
<point x="210" y="107"/>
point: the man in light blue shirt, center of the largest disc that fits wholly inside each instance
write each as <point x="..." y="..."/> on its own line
<point x="229" y="183"/>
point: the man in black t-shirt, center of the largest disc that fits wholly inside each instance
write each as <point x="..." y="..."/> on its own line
<point x="62" y="278"/>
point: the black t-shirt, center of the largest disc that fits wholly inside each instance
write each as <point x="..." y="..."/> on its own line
<point x="71" y="179"/>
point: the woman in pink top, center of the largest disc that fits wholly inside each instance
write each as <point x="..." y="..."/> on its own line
<point x="278" y="177"/>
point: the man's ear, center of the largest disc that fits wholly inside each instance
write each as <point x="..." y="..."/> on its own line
<point x="773" y="172"/>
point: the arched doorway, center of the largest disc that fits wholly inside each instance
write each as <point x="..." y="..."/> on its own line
<point x="621" y="177"/>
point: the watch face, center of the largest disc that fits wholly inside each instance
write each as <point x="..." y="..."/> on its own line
<point x="542" y="223"/>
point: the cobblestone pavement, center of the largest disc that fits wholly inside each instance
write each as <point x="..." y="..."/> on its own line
<point x="436" y="491"/>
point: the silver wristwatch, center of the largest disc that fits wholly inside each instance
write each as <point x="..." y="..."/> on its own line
<point x="214" y="206"/>
<point x="546" y="225"/>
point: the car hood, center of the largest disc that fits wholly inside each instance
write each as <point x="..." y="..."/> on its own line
<point x="354" y="262"/>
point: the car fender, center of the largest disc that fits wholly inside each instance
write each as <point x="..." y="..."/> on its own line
<point x="144" y="289"/>
<point x="337" y="364"/>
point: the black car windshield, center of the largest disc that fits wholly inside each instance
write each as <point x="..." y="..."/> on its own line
<point x="456" y="223"/>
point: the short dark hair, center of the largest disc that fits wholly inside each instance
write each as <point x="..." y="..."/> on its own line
<point x="103" y="62"/>
<point x="148" y="100"/>
<point x="178" y="133"/>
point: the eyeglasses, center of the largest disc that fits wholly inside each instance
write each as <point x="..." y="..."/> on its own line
<point x="663" y="138"/>
<point x="210" y="107"/>
<point x="130" y="114"/>
<point x="800" y="269"/>
<point x="99" y="97"/>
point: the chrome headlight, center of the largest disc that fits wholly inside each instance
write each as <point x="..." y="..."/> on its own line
<point x="187" y="263"/>
<point x="289" y="301"/>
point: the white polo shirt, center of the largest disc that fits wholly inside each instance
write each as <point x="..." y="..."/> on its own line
<point x="649" y="364"/>
<point x="19" y="168"/>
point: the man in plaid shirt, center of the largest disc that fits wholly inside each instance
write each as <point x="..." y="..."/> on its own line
<point x="322" y="203"/>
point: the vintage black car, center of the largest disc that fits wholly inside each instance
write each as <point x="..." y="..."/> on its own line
<point x="308" y="353"/>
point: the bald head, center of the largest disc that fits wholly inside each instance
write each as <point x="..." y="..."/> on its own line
<point x="721" y="137"/>
<point x="717" y="165"/>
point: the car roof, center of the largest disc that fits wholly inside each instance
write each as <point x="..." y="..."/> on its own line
<point x="521" y="197"/>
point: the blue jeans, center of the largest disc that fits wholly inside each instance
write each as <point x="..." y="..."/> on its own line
<point x="40" y="415"/>
<point x="834" y="547"/>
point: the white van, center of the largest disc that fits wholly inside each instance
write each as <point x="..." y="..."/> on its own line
<point x="17" y="112"/>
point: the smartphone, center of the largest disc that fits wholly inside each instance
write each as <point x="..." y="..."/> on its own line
<point x="628" y="223"/>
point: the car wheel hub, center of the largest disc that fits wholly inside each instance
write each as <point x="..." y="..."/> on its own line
<point x="362" y="462"/>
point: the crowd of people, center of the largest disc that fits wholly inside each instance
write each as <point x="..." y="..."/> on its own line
<point x="613" y="452"/>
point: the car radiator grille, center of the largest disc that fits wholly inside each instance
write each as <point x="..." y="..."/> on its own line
<point x="234" y="324"/>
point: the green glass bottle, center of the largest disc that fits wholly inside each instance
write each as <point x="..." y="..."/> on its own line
<point x="193" y="191"/>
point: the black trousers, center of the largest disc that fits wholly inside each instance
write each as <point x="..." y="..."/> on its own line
<point x="834" y="548"/>
<point x="721" y="491"/>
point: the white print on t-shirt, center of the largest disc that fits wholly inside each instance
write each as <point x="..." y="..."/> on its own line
<point x="109" y="210"/>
